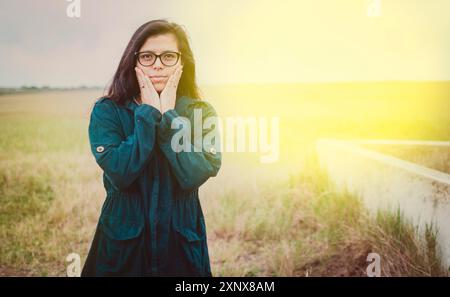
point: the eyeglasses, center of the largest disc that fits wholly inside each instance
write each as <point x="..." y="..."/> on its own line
<point x="148" y="58"/>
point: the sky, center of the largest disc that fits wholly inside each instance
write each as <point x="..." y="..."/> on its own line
<point x="234" y="41"/>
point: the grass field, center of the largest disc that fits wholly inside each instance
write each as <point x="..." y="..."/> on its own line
<point x="283" y="218"/>
<point x="437" y="158"/>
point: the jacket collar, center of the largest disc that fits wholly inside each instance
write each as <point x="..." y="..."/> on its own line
<point x="131" y="104"/>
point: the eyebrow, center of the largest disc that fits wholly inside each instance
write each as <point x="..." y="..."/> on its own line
<point x="149" y="51"/>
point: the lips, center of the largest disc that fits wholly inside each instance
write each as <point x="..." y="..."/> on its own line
<point x="158" y="79"/>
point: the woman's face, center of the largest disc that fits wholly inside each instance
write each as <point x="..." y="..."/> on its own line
<point x="158" y="72"/>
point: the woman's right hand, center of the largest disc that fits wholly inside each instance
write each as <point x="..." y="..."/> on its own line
<point x="148" y="93"/>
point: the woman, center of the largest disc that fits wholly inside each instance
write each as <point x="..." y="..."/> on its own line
<point x="151" y="223"/>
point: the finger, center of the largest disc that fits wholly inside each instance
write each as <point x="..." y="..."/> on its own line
<point x="174" y="77"/>
<point x="149" y="84"/>
<point x="140" y="78"/>
<point x="145" y="80"/>
<point x="180" y="72"/>
<point x="142" y="75"/>
<point x="138" y="75"/>
<point x="146" y="85"/>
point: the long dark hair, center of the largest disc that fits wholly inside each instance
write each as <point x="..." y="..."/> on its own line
<point x="125" y="85"/>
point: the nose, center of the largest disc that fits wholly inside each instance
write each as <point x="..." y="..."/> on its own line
<point x="158" y="64"/>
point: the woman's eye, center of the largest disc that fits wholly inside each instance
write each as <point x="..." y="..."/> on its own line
<point x="147" y="57"/>
<point x="169" y="56"/>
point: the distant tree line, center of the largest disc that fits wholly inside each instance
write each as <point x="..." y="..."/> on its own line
<point x="23" y="89"/>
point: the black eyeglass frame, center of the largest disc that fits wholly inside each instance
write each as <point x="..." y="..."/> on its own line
<point x="158" y="57"/>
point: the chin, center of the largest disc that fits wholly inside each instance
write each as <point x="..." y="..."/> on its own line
<point x="159" y="87"/>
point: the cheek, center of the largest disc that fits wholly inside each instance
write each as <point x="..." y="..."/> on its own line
<point x="174" y="68"/>
<point x="144" y="69"/>
<point x="171" y="72"/>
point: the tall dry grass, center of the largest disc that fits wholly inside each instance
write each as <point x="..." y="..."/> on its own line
<point x="278" y="219"/>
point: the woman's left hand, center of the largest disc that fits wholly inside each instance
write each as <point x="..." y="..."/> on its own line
<point x="168" y="96"/>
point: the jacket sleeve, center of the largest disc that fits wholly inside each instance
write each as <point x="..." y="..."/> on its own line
<point x="122" y="158"/>
<point x="191" y="167"/>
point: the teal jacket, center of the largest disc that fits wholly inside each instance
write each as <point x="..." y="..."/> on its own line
<point x="151" y="223"/>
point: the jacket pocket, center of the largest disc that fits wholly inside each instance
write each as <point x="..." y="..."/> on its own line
<point x="193" y="249"/>
<point x="120" y="248"/>
<point x="121" y="245"/>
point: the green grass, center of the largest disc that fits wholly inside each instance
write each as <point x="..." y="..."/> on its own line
<point x="281" y="219"/>
<point x="306" y="226"/>
<point x="328" y="231"/>
<point x="437" y="158"/>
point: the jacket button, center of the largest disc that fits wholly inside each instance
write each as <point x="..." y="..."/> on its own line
<point x="212" y="151"/>
<point x="100" y="149"/>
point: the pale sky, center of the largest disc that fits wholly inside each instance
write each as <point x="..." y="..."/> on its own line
<point x="234" y="41"/>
